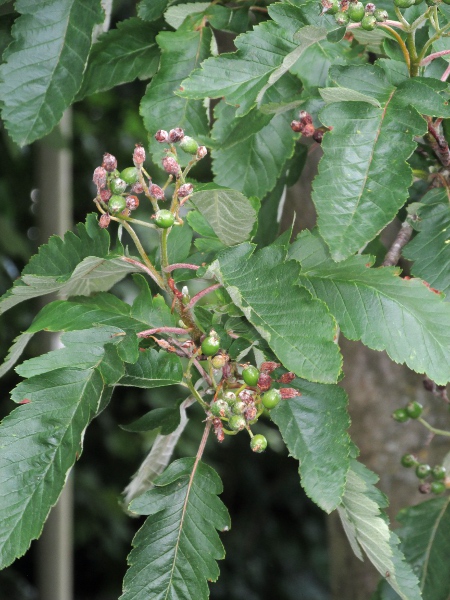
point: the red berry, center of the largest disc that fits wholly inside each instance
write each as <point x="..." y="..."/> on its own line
<point x="109" y="162"/>
<point x="132" y="202"/>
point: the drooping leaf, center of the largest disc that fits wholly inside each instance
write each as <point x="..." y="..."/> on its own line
<point x="261" y="285"/>
<point x="181" y="52"/>
<point x="176" y="550"/>
<point x="165" y="419"/>
<point x="76" y="265"/>
<point x="403" y="317"/>
<point x="39" y="443"/>
<point x="121" y="55"/>
<point x="153" y="369"/>
<point x="229" y="213"/>
<point x="15" y="352"/>
<point x="364" y="170"/>
<point x="44" y="65"/>
<point x="430" y="248"/>
<point x="314" y="428"/>
<point x="367" y="527"/>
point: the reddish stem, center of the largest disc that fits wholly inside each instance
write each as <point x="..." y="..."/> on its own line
<point x="171" y="268"/>
<point x="149" y="332"/>
<point x="197" y="297"/>
<point x="141" y="266"/>
<point x="431" y="57"/>
<point x="445" y="74"/>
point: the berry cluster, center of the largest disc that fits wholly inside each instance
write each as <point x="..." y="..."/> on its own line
<point x="438" y="474"/>
<point x="412" y="410"/>
<point x="117" y="191"/>
<point x="345" y="11"/>
<point x="241" y="397"/>
<point x="305" y="126"/>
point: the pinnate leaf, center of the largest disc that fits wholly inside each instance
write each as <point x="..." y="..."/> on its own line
<point x="364" y="167"/>
<point x="44" y="65"/>
<point x="176" y="550"/>
<point x="121" y="55"/>
<point x="39" y="443"/>
<point x="153" y="369"/>
<point x="403" y="317"/>
<point x="297" y="327"/>
<point x="367" y="527"/>
<point x="314" y="428"/>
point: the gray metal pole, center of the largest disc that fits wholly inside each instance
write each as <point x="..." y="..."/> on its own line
<point x="54" y="163"/>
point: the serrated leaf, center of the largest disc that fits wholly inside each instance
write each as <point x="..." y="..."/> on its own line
<point x="277" y="44"/>
<point x="15" y="352"/>
<point x="363" y="519"/>
<point x="148" y="309"/>
<point x="166" y="419"/>
<point x="153" y="369"/>
<point x="150" y="10"/>
<point x="176" y="550"/>
<point x="364" y="170"/>
<point x="385" y="312"/>
<point x="77" y="264"/>
<point x="229" y="213"/>
<point x="426" y="544"/>
<point x="121" y="55"/>
<point x="44" y="64"/>
<point x="430" y="248"/>
<point x="261" y="285"/>
<point x="181" y="52"/>
<point x="39" y="443"/>
<point x="175" y="15"/>
<point x="338" y="94"/>
<point x="314" y="428"/>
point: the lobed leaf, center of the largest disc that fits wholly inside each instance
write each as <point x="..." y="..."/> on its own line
<point x="121" y="55"/>
<point x="176" y="550"/>
<point x="297" y="327"/>
<point x="403" y="317"/>
<point x="44" y="65"/>
<point x="314" y="428"/>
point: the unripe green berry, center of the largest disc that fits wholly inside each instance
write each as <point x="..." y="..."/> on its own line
<point x="400" y="415"/>
<point x="237" y="423"/>
<point x="258" y="443"/>
<point x="130" y="175"/>
<point x="437" y="487"/>
<point x="414" y="410"/>
<point x="219" y="408"/>
<point x="218" y="361"/>
<point x="189" y="145"/>
<point x="229" y="397"/>
<point x="404" y="3"/>
<point x="438" y="472"/>
<point x="423" y="470"/>
<point x="164" y="218"/>
<point x="356" y="11"/>
<point x="368" y="22"/>
<point x="342" y="18"/>
<point x="117" y="185"/>
<point x="238" y="408"/>
<point x="211" y="344"/>
<point x="382" y="15"/>
<point x="271" y="398"/>
<point x="117" y="204"/>
<point x="250" y="375"/>
<point x="330" y="7"/>
<point x="408" y="460"/>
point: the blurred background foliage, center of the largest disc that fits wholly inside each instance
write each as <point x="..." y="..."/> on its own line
<point x="277" y="545"/>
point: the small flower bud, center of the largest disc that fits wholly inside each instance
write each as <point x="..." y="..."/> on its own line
<point x="201" y="152"/>
<point x="287" y="377"/>
<point x="250" y="412"/>
<point x="105" y="195"/>
<point x="370" y="8"/>
<point x="137" y="188"/>
<point x="157" y="192"/>
<point x="269" y="366"/>
<point x="132" y="202"/>
<point x="176" y="135"/>
<point x="138" y="155"/>
<point x="185" y="190"/>
<point x="289" y="393"/>
<point x="104" y="220"/>
<point x="162" y="136"/>
<point x="246" y="396"/>
<point x="109" y="162"/>
<point x="99" y="177"/>
<point x="171" y="166"/>
<point x="264" y="382"/>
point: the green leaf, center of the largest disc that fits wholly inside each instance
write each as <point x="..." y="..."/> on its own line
<point x="176" y="550"/>
<point x="166" y="419"/>
<point x="338" y="94"/>
<point x="426" y="544"/>
<point x="297" y="327"/>
<point x="148" y="309"/>
<point x="77" y="264"/>
<point x="430" y="248"/>
<point x="44" y="64"/>
<point x="121" y="55"/>
<point x="229" y="213"/>
<point x="181" y="52"/>
<point x="364" y="167"/>
<point x="263" y="56"/>
<point x="15" y="352"/>
<point x="366" y="525"/>
<point x="39" y="443"/>
<point x="175" y="15"/>
<point x="314" y="428"/>
<point x="150" y="10"/>
<point x="153" y="369"/>
<point x="376" y="306"/>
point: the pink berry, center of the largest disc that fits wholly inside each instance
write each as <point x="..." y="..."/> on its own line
<point x="105" y="195"/>
<point x="156" y="192"/>
<point x="109" y="162"/>
<point x="138" y="155"/>
<point x="137" y="188"/>
<point x="132" y="202"/>
<point x="99" y="177"/>
<point x="162" y="136"/>
<point x="170" y="165"/>
<point x="176" y="135"/>
<point x="104" y="221"/>
<point x="201" y="152"/>
<point x="185" y="190"/>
